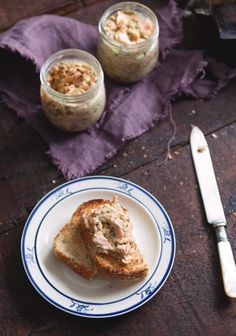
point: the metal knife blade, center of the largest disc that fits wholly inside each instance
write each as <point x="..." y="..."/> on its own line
<point x="213" y="207"/>
<point x="206" y="178"/>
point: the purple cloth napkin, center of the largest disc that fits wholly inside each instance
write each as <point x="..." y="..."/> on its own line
<point x="130" y="110"/>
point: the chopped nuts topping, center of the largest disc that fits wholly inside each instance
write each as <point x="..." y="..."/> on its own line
<point x="71" y="78"/>
<point x="128" y="27"/>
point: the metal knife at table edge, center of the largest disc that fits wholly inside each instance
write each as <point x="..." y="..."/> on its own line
<point x="213" y="207"/>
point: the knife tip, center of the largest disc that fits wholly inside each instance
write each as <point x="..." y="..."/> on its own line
<point x="197" y="138"/>
<point x="194" y="128"/>
<point x="194" y="131"/>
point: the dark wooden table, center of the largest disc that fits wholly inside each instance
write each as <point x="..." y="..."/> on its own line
<point x="192" y="301"/>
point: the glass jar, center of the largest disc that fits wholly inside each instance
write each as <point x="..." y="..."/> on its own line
<point x="73" y="112"/>
<point x="128" y="63"/>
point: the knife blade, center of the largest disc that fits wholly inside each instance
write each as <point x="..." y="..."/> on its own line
<point x="213" y="207"/>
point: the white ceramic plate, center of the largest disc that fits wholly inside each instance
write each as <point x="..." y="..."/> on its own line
<point x="96" y="298"/>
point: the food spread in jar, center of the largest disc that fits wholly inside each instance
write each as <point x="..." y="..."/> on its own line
<point x="128" y="27"/>
<point x="128" y="45"/>
<point x="71" y="78"/>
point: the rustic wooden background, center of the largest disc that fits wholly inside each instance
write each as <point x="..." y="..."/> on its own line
<point x="192" y="302"/>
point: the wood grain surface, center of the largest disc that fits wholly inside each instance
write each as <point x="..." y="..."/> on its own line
<point x="12" y="11"/>
<point x="192" y="301"/>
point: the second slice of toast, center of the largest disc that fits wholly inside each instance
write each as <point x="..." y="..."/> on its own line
<point x="69" y="247"/>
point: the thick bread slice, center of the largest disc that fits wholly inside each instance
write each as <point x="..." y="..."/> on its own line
<point x="108" y="263"/>
<point x="69" y="247"/>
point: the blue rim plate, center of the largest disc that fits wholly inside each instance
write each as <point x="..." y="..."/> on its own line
<point x="96" y="298"/>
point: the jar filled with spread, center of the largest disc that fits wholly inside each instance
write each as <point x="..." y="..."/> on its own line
<point x="72" y="89"/>
<point x="128" y="44"/>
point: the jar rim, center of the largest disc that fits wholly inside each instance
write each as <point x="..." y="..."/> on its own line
<point x="137" y="7"/>
<point x="62" y="55"/>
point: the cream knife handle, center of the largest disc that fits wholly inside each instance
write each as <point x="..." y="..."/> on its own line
<point x="227" y="262"/>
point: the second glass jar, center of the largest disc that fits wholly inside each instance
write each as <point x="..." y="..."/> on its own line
<point x="128" y="63"/>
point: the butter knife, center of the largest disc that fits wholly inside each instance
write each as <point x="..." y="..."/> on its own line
<point x="213" y="207"/>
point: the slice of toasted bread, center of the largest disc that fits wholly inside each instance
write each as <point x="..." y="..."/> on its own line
<point x="69" y="247"/>
<point x="109" y="262"/>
